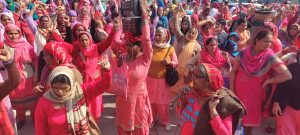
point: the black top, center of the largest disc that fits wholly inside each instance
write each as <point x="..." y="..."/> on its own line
<point x="288" y="92"/>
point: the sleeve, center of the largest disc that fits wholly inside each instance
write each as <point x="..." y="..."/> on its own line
<point x="102" y="46"/>
<point x="174" y="58"/>
<point x="12" y="81"/>
<point x="222" y="127"/>
<point x="97" y="87"/>
<point x="31" y="23"/>
<point x="93" y="30"/>
<point x="40" y="117"/>
<point x="146" y="42"/>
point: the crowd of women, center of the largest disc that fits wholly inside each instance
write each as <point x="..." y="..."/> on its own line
<point x="238" y="66"/>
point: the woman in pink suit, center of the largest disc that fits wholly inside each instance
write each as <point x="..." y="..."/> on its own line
<point x="133" y="114"/>
<point x="254" y="66"/>
<point x="22" y="97"/>
<point x="86" y="59"/>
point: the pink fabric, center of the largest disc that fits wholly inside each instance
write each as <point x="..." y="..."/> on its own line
<point x="136" y="131"/>
<point x="53" y="121"/>
<point x="108" y="28"/>
<point x="251" y="96"/>
<point x="5" y="124"/>
<point x="20" y="115"/>
<point x="276" y="45"/>
<point x="222" y="127"/>
<point x="158" y="90"/>
<point x="137" y="105"/>
<point x="289" y="122"/>
<point x="253" y="64"/>
<point x="85" y="19"/>
<point x="161" y="112"/>
<point x="90" y="69"/>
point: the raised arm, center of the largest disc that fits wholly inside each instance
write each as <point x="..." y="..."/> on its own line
<point x="13" y="74"/>
<point x="29" y="19"/>
<point x="179" y="35"/>
<point x="146" y="40"/>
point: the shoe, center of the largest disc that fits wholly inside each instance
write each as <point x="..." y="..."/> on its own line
<point x="269" y="131"/>
<point x="20" y="124"/>
<point x="168" y="128"/>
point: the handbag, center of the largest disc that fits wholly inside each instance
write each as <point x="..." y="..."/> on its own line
<point x="119" y="80"/>
<point x="93" y="127"/>
<point x="172" y="75"/>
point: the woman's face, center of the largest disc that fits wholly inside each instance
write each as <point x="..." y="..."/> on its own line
<point x="160" y="37"/>
<point x="5" y="20"/>
<point x="192" y="33"/>
<point x="84" y="40"/>
<point x="44" y="22"/>
<point x="242" y="26"/>
<point x="61" y="89"/>
<point x="199" y="80"/>
<point x="79" y="30"/>
<point x="160" y="11"/>
<point x="264" y="43"/>
<point x="212" y="46"/>
<point x="13" y="35"/>
<point x="293" y="31"/>
<point x="217" y="28"/>
<point x="59" y="2"/>
<point x="48" y="58"/>
<point x="206" y="29"/>
<point x="184" y="25"/>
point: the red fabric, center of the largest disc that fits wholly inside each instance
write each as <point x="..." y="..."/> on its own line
<point x="215" y="77"/>
<point x="5" y="124"/>
<point x="217" y="61"/>
<point x="131" y="38"/>
<point x="297" y="41"/>
<point x="59" y="53"/>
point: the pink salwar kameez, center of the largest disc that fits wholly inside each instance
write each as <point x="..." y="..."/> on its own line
<point x="289" y="122"/>
<point x="133" y="115"/>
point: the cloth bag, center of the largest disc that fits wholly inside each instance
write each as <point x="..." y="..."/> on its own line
<point x="119" y="84"/>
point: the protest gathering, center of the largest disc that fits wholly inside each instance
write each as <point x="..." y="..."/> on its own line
<point x="185" y="67"/>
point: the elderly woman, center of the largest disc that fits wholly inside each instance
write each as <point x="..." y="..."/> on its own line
<point x="64" y="94"/>
<point x="158" y="89"/>
<point x="208" y="82"/>
<point x="254" y="66"/>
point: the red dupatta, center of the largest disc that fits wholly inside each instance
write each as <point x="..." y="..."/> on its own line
<point x="218" y="60"/>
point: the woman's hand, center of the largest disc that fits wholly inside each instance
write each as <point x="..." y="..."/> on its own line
<point x="276" y="109"/>
<point x="5" y="55"/>
<point x="38" y="89"/>
<point x="105" y="65"/>
<point x="213" y="102"/>
<point x="143" y="6"/>
<point x="117" y="23"/>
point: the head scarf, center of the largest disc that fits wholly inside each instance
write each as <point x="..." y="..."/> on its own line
<point x="217" y="61"/>
<point x="85" y="19"/>
<point x="230" y="45"/>
<point x="77" y="116"/>
<point x="276" y="44"/>
<point x="194" y="39"/>
<point x="131" y="38"/>
<point x="59" y="53"/>
<point x="72" y="13"/>
<point x="61" y="24"/>
<point x="165" y="32"/>
<point x="2" y="27"/>
<point x="24" y="51"/>
<point x="75" y="37"/>
<point x="214" y="75"/>
<point x="89" y="57"/>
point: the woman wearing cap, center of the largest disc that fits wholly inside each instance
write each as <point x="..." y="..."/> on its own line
<point x="254" y="66"/>
<point x="199" y="112"/>
<point x="138" y="116"/>
<point x="158" y="89"/>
